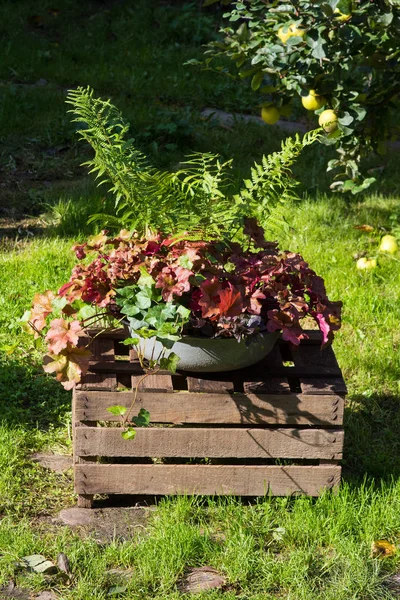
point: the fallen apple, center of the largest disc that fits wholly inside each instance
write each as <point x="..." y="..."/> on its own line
<point x="388" y="244"/>
<point x="366" y="263"/>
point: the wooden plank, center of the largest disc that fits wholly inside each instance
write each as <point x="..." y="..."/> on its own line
<point x="84" y="500"/>
<point x="152" y="383"/>
<point x="211" y="442"/>
<point x="200" y="384"/>
<point x="327" y="385"/>
<point x="270" y="385"/>
<point x="135" y="369"/>
<point x="313" y="355"/>
<point x="265" y="380"/>
<point x="235" y="409"/>
<point x="240" y="480"/>
<point x="103" y="350"/>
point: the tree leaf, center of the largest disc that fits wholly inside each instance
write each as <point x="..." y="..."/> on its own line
<point x="257" y="80"/>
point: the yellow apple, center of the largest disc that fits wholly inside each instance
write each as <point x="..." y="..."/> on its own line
<point x="328" y="120"/>
<point x="388" y="244"/>
<point x="313" y="101"/>
<point x="366" y="263"/>
<point x="292" y="31"/>
<point x="270" y="114"/>
<point x="299" y="31"/>
<point x="283" y="35"/>
<point x="341" y="17"/>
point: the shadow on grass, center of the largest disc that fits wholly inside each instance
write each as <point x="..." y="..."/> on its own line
<point x="30" y="398"/>
<point x="372" y="441"/>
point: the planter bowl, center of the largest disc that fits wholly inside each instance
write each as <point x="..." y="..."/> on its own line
<point x="212" y="355"/>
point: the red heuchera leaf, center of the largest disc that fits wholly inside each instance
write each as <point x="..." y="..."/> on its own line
<point x="328" y="317"/>
<point x="173" y="281"/>
<point x="230" y="301"/>
<point x="90" y="283"/>
<point x="62" y="333"/>
<point x="291" y="330"/>
<point x="257" y="234"/>
<point x="41" y="308"/>
<point x="79" y="250"/>
<point x="209" y="299"/>
<point x="124" y="264"/>
<point x="218" y="299"/>
<point x="69" y="365"/>
<point x="256" y="299"/>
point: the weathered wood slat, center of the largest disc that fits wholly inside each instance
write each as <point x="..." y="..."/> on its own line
<point x="237" y="409"/>
<point x="199" y="384"/>
<point x="103" y="351"/>
<point x="260" y="412"/>
<point x="211" y="442"/>
<point x="205" y="479"/>
<point x="266" y="381"/>
<point x="135" y="368"/>
<point x="323" y="385"/>
<point x="153" y="383"/>
<point x="313" y="355"/>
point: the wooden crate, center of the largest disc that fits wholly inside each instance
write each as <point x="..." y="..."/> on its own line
<point x="274" y="428"/>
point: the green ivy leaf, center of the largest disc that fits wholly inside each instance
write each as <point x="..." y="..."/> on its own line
<point x="117" y="410"/>
<point x="185" y="262"/>
<point x="143" y="418"/>
<point x="144" y="297"/>
<point x="170" y="363"/>
<point x="346" y="119"/>
<point x="130" y="341"/>
<point x="183" y="312"/>
<point x="145" y="278"/>
<point x="128" y="434"/>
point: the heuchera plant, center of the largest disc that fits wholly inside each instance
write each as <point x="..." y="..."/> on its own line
<point x="172" y="286"/>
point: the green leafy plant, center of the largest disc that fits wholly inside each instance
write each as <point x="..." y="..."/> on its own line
<point x="194" y="261"/>
<point x="167" y="287"/>
<point x="197" y="199"/>
<point x="337" y="55"/>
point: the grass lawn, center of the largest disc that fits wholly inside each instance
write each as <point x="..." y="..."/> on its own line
<point x="301" y="549"/>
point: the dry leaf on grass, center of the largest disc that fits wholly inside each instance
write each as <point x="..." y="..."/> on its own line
<point x="382" y="549"/>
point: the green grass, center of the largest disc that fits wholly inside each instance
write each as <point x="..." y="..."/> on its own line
<point x="300" y="549"/>
<point x="275" y="548"/>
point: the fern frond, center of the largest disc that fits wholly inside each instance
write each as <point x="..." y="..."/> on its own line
<point x="195" y="200"/>
<point x="272" y="182"/>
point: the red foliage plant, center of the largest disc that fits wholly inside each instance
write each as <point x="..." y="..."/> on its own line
<point x="169" y="286"/>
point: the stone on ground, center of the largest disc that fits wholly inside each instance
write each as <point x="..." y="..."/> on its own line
<point x="55" y="462"/>
<point x="199" y="579"/>
<point x="105" y="524"/>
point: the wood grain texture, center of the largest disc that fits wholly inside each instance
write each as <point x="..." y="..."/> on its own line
<point x="323" y="385"/>
<point x="211" y="443"/>
<point x="103" y="351"/>
<point x="205" y="479"/>
<point x="235" y="409"/>
<point x="156" y="383"/>
<point x="135" y="369"/>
